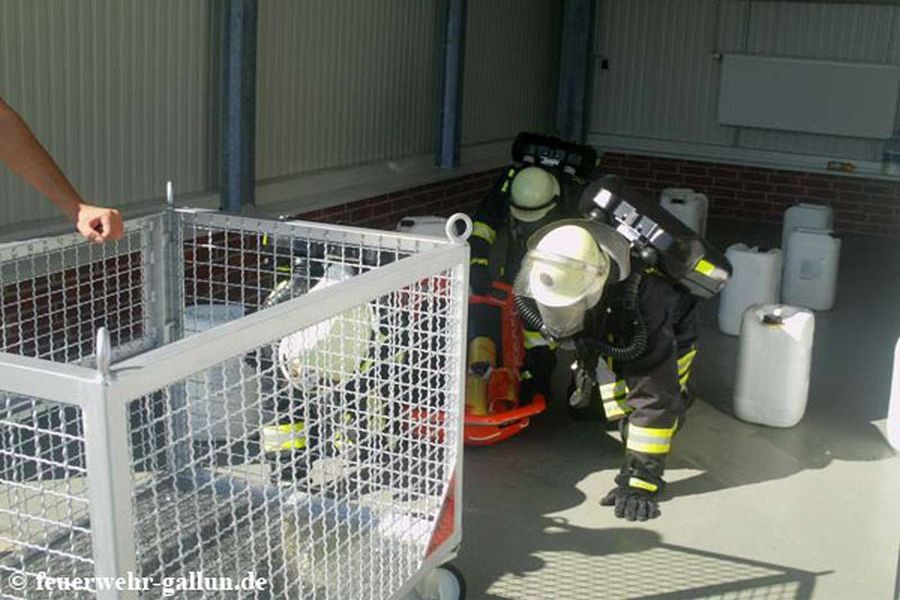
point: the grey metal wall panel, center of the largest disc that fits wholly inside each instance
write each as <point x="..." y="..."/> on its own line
<point x="857" y="33"/>
<point x="343" y="82"/>
<point x="662" y="80"/>
<point x="116" y="89"/>
<point x="512" y="66"/>
<point x="661" y="83"/>
<point x="733" y="18"/>
<point x="844" y="32"/>
<point x="894" y="51"/>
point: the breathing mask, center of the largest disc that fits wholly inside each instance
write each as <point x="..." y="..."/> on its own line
<point x="565" y="270"/>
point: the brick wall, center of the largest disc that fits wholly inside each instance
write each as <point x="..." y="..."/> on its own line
<point x="748" y="193"/>
<point x="759" y="194"/>
<point x="384" y="212"/>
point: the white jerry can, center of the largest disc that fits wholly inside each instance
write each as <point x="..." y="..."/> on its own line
<point x="687" y="206"/>
<point x="755" y="279"/>
<point x="811" y="269"/>
<point x="427" y="225"/>
<point x="773" y="367"/>
<point x="810" y="216"/>
<point x="893" y="419"/>
<point x="222" y="413"/>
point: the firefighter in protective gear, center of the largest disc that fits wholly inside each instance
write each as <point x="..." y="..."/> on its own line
<point x="591" y="298"/>
<point x="522" y="201"/>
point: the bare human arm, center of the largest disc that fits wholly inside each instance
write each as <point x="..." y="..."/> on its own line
<point x="25" y="155"/>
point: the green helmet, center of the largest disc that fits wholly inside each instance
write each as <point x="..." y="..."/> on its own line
<point x="534" y="193"/>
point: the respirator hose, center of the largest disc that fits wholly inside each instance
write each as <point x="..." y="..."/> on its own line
<point x="630" y="302"/>
<point x="529" y="314"/>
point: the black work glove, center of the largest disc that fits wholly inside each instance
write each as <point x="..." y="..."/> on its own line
<point x="631" y="503"/>
<point x="480" y="280"/>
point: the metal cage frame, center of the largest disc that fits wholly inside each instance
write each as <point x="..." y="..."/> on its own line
<point x="102" y="384"/>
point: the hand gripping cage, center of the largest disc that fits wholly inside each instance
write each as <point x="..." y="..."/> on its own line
<point x="276" y="398"/>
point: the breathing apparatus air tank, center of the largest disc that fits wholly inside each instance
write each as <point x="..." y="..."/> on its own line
<point x="658" y="237"/>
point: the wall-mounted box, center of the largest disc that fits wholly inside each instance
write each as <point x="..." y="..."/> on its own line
<point x="812" y="96"/>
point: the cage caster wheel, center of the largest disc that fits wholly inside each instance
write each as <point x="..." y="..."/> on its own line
<point x="443" y="583"/>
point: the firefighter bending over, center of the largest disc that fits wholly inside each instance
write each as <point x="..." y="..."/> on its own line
<point x="621" y="288"/>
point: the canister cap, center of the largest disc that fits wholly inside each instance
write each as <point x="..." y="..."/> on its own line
<point x="776" y="317"/>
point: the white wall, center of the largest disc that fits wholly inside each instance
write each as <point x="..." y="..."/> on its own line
<point x="661" y="86"/>
<point x="347" y="101"/>
<point x="343" y="82"/>
<point x="124" y="94"/>
<point x="118" y="92"/>
<point x="512" y="62"/>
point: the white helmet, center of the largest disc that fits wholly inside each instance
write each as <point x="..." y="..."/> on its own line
<point x="534" y="194"/>
<point x="567" y="268"/>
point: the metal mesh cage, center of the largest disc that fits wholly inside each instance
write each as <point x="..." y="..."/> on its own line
<point x="44" y="517"/>
<point x="306" y="430"/>
<point x="57" y="292"/>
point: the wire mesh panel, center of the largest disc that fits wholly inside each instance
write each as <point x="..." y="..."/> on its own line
<point x="249" y="264"/>
<point x="56" y="293"/>
<point x="44" y="520"/>
<point x="318" y="457"/>
<point x="325" y="465"/>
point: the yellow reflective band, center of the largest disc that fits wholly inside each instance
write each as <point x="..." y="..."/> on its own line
<point x="265" y="239"/>
<point x="533" y="339"/>
<point x="613" y="410"/>
<point x="376" y="421"/>
<point x="510" y="173"/>
<point x="505" y="187"/>
<point x="686" y="361"/>
<point x="650" y="440"/>
<point x="641" y="484"/>
<point x="705" y="267"/>
<point x="479" y="261"/>
<point x="283" y="437"/>
<point x="484" y="231"/>
<point x="614" y="391"/>
<point x="646" y="447"/>
<point x="653" y="432"/>
<point x="683" y="380"/>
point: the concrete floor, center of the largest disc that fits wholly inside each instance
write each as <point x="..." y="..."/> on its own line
<point x="750" y="511"/>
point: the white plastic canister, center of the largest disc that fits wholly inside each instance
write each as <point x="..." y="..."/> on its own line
<point x="810" y="216"/>
<point x="893" y="419"/>
<point x="755" y="279"/>
<point x="688" y="206"/>
<point x="427" y="225"/>
<point x="222" y="401"/>
<point x="811" y="269"/>
<point x="774" y="364"/>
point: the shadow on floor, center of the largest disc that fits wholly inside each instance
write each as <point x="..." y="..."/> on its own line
<point x="511" y="489"/>
<point x="525" y="551"/>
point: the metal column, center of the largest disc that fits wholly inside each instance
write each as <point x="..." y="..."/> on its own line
<point x="450" y="102"/>
<point x="574" y="71"/>
<point x="109" y="484"/>
<point x="239" y="103"/>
